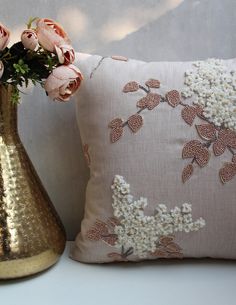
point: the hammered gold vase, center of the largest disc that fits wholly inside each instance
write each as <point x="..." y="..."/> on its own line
<point x="32" y="237"/>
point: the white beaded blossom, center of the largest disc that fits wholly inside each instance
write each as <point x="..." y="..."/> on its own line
<point x="215" y="89"/>
<point x="142" y="232"/>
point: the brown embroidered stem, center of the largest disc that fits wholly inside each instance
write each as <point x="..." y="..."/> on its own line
<point x="208" y="143"/>
<point x="129" y="252"/>
<point x="126" y="122"/>
<point x="125" y="254"/>
<point x="231" y="150"/>
<point x="220" y="136"/>
<point x="97" y="66"/>
<point x="144" y="89"/>
<point x="140" y="110"/>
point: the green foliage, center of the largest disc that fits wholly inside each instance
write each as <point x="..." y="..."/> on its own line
<point x="15" y="97"/>
<point x="22" y="66"/>
<point x="31" y="21"/>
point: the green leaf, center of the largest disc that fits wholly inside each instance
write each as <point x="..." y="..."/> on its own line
<point x="15" y="96"/>
<point x="31" y="20"/>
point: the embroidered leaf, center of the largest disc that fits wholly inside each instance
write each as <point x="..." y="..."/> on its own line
<point x="234" y="159"/>
<point x="173" y="248"/>
<point x="165" y="240"/>
<point x="168" y="247"/>
<point x="135" y="122"/>
<point x="153" y="83"/>
<point x="131" y="87"/>
<point x="187" y="172"/>
<point x="98" y="229"/>
<point x="228" y="137"/>
<point x="199" y="110"/>
<point x="93" y="234"/>
<point x="227" y="172"/>
<point x="173" y="98"/>
<point x="223" y="135"/>
<point x="119" y="57"/>
<point x="116" y="134"/>
<point x="110" y="239"/>
<point x="202" y="157"/>
<point x="188" y="114"/>
<point x="117" y="122"/>
<point x="153" y="100"/>
<point x="160" y="253"/>
<point x="231" y="141"/>
<point x="175" y="255"/>
<point x="219" y="147"/>
<point x="206" y="131"/>
<point x="142" y="103"/>
<point x="190" y="149"/>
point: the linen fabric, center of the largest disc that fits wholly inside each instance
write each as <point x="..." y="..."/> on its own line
<point x="188" y="198"/>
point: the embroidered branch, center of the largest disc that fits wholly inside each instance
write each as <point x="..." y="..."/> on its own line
<point x="144" y="233"/>
<point x="135" y="121"/>
<point x="215" y="106"/>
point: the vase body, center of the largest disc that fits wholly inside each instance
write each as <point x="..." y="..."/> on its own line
<point x="32" y="237"/>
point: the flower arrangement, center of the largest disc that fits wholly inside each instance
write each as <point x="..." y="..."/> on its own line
<point x="44" y="55"/>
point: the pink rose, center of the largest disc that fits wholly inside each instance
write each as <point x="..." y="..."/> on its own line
<point x="62" y="83"/>
<point x="65" y="53"/>
<point x="51" y="34"/>
<point x="29" y="39"/>
<point x="4" y="37"/>
<point x="1" y="69"/>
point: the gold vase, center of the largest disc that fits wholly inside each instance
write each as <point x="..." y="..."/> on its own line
<point x="32" y="237"/>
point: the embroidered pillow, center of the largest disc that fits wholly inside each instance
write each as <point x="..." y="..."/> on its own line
<point x="160" y="141"/>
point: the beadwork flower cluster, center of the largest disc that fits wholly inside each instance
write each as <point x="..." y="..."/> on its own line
<point x="140" y="232"/>
<point x="215" y="89"/>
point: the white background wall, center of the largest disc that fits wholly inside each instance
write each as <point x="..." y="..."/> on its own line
<point x="142" y="29"/>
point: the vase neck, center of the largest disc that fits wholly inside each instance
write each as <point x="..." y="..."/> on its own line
<point x="8" y="112"/>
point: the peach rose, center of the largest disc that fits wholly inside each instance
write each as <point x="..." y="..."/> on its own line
<point x="4" y="37"/>
<point x="29" y="39"/>
<point x="50" y="34"/>
<point x="65" y="53"/>
<point x="1" y="69"/>
<point x="62" y="83"/>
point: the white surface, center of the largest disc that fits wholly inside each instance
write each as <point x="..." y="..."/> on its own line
<point x="186" y="282"/>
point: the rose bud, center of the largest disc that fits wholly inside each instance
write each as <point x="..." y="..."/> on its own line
<point x="65" y="53"/>
<point x="29" y="39"/>
<point x="50" y="33"/>
<point x="62" y="83"/>
<point x="1" y="69"/>
<point x="4" y="37"/>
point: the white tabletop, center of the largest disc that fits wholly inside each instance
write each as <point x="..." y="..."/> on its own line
<point x="186" y="282"/>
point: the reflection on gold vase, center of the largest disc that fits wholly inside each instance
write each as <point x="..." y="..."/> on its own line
<point x="32" y="237"/>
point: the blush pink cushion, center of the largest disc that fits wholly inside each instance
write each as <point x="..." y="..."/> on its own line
<point x="160" y="142"/>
